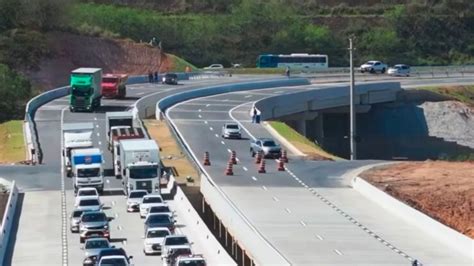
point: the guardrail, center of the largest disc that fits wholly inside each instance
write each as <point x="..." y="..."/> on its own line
<point x="7" y="221"/>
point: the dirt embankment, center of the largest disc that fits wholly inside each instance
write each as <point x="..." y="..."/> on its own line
<point x="70" y="51"/>
<point x="442" y="190"/>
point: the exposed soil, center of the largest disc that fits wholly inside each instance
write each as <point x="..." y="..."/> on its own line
<point x="442" y="190"/>
<point x="70" y="51"/>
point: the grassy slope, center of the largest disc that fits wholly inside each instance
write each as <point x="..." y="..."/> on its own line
<point x="179" y="64"/>
<point x="300" y="142"/>
<point x="12" y="148"/>
<point x="463" y="94"/>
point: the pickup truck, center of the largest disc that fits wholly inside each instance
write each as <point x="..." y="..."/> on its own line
<point x="267" y="146"/>
<point x="373" y="67"/>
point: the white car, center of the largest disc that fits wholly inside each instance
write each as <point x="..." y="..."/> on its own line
<point x="134" y="199"/>
<point x="174" y="241"/>
<point x="231" y="130"/>
<point x="89" y="203"/>
<point x="373" y="67"/>
<point x="113" y="260"/>
<point x="148" y="201"/>
<point x="87" y="191"/>
<point x="215" y="66"/>
<point x="79" y="198"/>
<point x="399" y="70"/>
<point x="154" y="240"/>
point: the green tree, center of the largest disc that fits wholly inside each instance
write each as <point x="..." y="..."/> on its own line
<point x="14" y="93"/>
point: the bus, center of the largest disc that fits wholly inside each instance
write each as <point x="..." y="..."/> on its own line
<point x="313" y="61"/>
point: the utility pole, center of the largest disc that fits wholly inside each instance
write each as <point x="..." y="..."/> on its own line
<point x="352" y="107"/>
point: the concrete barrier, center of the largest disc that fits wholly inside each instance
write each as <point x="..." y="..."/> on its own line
<point x="451" y="237"/>
<point x="7" y="221"/>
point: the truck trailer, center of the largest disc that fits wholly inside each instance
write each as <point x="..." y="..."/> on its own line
<point x="85" y="90"/>
<point x="139" y="165"/>
<point x="87" y="169"/>
<point x="118" y="134"/>
<point x="114" y="86"/>
<point x="75" y="136"/>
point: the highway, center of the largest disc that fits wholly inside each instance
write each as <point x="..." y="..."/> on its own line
<point x="335" y="225"/>
<point x="313" y="233"/>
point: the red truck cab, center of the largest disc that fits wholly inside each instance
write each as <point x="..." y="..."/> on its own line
<point x="114" y="85"/>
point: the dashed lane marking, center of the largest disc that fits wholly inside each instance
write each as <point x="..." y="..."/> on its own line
<point x="245" y="168"/>
<point x="254" y="178"/>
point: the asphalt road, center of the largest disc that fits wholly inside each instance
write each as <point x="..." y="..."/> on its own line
<point x="308" y="213"/>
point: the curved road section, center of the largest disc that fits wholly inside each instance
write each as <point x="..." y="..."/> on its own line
<point x="309" y="214"/>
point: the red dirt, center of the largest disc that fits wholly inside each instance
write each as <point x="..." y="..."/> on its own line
<point x="442" y="190"/>
<point x="70" y="51"/>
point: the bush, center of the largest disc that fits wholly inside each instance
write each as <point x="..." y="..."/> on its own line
<point x="14" y="93"/>
<point x="22" y="48"/>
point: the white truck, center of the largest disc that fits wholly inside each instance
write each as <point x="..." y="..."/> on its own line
<point x="116" y="120"/>
<point x="75" y="136"/>
<point x="87" y="169"/>
<point x="139" y="165"/>
<point x="118" y="134"/>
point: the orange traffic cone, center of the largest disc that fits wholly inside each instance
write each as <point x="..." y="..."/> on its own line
<point x="206" y="159"/>
<point x="228" y="170"/>
<point x="281" y="165"/>
<point x="284" y="157"/>
<point x="233" y="156"/>
<point x="258" y="157"/>
<point x="261" y="169"/>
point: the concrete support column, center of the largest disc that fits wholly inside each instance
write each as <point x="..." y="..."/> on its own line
<point x="319" y="128"/>
<point x="301" y="127"/>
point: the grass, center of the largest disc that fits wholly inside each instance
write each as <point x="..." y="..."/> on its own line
<point x="12" y="145"/>
<point x="179" y="64"/>
<point x="463" y="94"/>
<point x="301" y="142"/>
<point x="171" y="153"/>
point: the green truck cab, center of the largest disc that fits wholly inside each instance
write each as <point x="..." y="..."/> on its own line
<point x="85" y="90"/>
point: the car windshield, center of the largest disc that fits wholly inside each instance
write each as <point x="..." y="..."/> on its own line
<point x="93" y="244"/>
<point x="152" y="200"/>
<point x="81" y="92"/>
<point x="77" y="214"/>
<point x="109" y="80"/>
<point x="172" y="241"/>
<point x="369" y="63"/>
<point x="171" y="76"/>
<point x="113" y="262"/>
<point x="137" y="194"/>
<point x="232" y="126"/>
<point x="89" y="202"/>
<point x="158" y="219"/>
<point x="143" y="172"/>
<point x="269" y="143"/>
<point x="156" y="209"/>
<point x="94" y="217"/>
<point x="90" y="172"/>
<point x="157" y="233"/>
<point x="88" y="192"/>
<point x="112" y="252"/>
<point x="397" y="67"/>
<point x="192" y="263"/>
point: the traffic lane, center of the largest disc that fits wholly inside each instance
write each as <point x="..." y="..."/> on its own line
<point x="31" y="178"/>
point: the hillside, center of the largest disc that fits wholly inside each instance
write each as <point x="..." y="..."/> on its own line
<point x="69" y="51"/>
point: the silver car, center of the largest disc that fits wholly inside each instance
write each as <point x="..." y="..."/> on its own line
<point x="134" y="199"/>
<point x="92" y="247"/>
<point x="75" y="220"/>
<point x="231" y="130"/>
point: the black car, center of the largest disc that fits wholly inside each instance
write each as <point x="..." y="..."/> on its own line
<point x="170" y="78"/>
<point x="106" y="252"/>
<point x="159" y="220"/>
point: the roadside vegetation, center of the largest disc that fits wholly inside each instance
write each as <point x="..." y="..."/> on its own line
<point x="306" y="146"/>
<point x="463" y="94"/>
<point x="12" y="147"/>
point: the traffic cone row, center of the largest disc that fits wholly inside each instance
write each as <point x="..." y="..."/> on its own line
<point x="228" y="170"/>
<point x="206" y="159"/>
<point x="233" y="157"/>
<point x="258" y="160"/>
<point x="281" y="165"/>
<point x="258" y="157"/>
<point x="261" y="169"/>
<point x="284" y="157"/>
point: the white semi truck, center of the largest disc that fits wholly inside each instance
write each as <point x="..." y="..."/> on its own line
<point x="87" y="169"/>
<point x="117" y="120"/>
<point x="118" y="134"/>
<point x="139" y="165"/>
<point x="75" y="136"/>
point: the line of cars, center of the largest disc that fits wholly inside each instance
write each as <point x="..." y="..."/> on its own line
<point x="378" y="66"/>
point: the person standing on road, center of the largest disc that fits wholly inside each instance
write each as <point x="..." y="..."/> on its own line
<point x="156" y="76"/>
<point x="287" y="71"/>
<point x="254" y="114"/>
<point x="150" y="76"/>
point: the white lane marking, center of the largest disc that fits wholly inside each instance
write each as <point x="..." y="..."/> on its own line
<point x="210" y="128"/>
<point x="229" y="151"/>
<point x="254" y="178"/>
<point x="98" y="134"/>
<point x="205" y="122"/>
<point x="95" y="118"/>
<point x="65" y="255"/>
<point x="238" y="122"/>
<point x="264" y="188"/>
<point x="100" y="143"/>
<point x="217" y="135"/>
<point x="140" y="93"/>
<point x="248" y="96"/>
<point x="303" y="223"/>
<point x="276" y="199"/>
<point x="199" y="110"/>
<point x="222" y="142"/>
<point x="200" y="116"/>
<point x="287" y="210"/>
<point x="237" y="159"/>
<point x="245" y="168"/>
<point x="225" y="100"/>
<point x="319" y="237"/>
<point x="207" y="105"/>
<point x="107" y="181"/>
<point x="338" y="252"/>
<point x="97" y="126"/>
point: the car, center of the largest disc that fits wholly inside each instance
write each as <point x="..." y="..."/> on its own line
<point x="373" y="67"/>
<point x="267" y="146"/>
<point x="134" y="199"/>
<point x="154" y="237"/>
<point x="174" y="241"/>
<point x="215" y="66"/>
<point x="79" y="197"/>
<point x="175" y="252"/>
<point x="117" y="260"/>
<point x="89" y="203"/>
<point x="399" y="70"/>
<point x="159" y="220"/>
<point x="160" y="208"/>
<point x="87" y="191"/>
<point x="231" y="130"/>
<point x="108" y="252"/>
<point x="147" y="201"/>
<point x="93" y="246"/>
<point x="190" y="260"/>
<point x="94" y="223"/>
<point x="170" y="78"/>
<point x="75" y="220"/>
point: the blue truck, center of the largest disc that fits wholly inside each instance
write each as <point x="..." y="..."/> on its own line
<point x="87" y="169"/>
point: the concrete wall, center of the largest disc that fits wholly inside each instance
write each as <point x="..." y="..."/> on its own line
<point x="7" y="221"/>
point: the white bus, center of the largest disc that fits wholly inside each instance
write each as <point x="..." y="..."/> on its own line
<point x="312" y="61"/>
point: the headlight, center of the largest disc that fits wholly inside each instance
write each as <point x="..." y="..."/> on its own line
<point x="88" y="261"/>
<point x="106" y="227"/>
